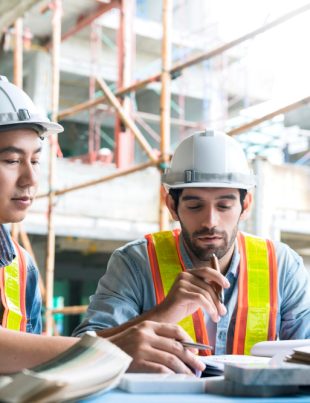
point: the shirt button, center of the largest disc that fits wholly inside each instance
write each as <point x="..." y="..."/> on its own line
<point x="222" y="335"/>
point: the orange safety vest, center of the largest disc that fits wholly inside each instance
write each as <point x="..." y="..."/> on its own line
<point x="257" y="287"/>
<point x="13" y="292"/>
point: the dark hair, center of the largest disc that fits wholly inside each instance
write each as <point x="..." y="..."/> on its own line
<point x="176" y="193"/>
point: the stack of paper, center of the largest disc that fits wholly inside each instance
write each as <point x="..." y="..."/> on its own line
<point x="260" y="379"/>
<point x="268" y="374"/>
<point x="93" y="364"/>
<point x="259" y="374"/>
<point x="300" y="355"/>
<point x="215" y="364"/>
<point x="162" y="383"/>
<point x="272" y="348"/>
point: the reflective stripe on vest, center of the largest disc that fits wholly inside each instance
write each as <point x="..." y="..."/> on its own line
<point x="166" y="264"/>
<point x="257" y="293"/>
<point x="257" y="287"/>
<point x="13" y="292"/>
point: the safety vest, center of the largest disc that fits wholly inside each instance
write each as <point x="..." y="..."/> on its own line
<point x="257" y="287"/>
<point x="13" y="292"/>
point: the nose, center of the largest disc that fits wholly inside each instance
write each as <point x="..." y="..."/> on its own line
<point x="210" y="217"/>
<point x="28" y="175"/>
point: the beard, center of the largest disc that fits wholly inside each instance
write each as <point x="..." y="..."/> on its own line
<point x="205" y="253"/>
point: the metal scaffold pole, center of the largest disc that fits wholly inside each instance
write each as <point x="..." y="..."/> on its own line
<point x="93" y="126"/>
<point x="18" y="233"/>
<point x="165" y="103"/>
<point x="50" y="255"/>
<point x="125" y="115"/>
<point x="178" y="67"/>
<point x="18" y="53"/>
<point x="126" y="119"/>
<point x="124" y="139"/>
<point x="269" y="116"/>
<point x="18" y="80"/>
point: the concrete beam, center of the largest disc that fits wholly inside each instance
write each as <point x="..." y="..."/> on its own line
<point x="10" y="10"/>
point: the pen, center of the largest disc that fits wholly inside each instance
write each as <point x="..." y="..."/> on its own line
<point x="215" y="266"/>
<point x="199" y="346"/>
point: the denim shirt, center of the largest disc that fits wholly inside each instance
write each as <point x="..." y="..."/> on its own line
<point x="126" y="290"/>
<point x="33" y="295"/>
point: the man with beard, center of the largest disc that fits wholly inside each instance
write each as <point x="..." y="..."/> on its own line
<point x="22" y="129"/>
<point x="224" y="287"/>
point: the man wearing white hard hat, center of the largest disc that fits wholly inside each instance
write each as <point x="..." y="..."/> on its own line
<point x="22" y="129"/>
<point x="224" y="287"/>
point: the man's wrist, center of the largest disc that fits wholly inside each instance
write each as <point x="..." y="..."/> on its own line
<point x="160" y="314"/>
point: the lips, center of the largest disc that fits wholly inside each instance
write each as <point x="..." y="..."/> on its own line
<point x="22" y="198"/>
<point x="21" y="202"/>
<point x="209" y="238"/>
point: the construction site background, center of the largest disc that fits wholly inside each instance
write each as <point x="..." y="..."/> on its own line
<point x="128" y="80"/>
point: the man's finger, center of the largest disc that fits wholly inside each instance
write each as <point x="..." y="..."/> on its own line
<point x="172" y="354"/>
<point x="149" y="367"/>
<point x="210" y="274"/>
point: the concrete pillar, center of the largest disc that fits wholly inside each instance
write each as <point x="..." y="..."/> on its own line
<point x="262" y="210"/>
<point x="37" y="71"/>
<point x="38" y="85"/>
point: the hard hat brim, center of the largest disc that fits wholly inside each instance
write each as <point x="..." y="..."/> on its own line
<point x="209" y="185"/>
<point x="192" y="178"/>
<point x="44" y="129"/>
<point x="51" y="128"/>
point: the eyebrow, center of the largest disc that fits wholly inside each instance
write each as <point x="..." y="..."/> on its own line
<point x="12" y="149"/>
<point x="222" y="197"/>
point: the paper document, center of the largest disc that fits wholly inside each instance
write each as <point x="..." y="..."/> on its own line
<point x="215" y="364"/>
<point x="271" y="348"/>
<point x="284" y="374"/>
<point x="162" y="383"/>
<point x="91" y="365"/>
<point x="300" y="355"/>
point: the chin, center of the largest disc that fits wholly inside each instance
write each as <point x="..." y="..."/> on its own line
<point x="16" y="218"/>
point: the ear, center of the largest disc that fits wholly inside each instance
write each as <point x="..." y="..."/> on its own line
<point x="247" y="204"/>
<point x="171" y="207"/>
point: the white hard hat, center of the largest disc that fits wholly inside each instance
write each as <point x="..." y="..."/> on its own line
<point x="209" y="159"/>
<point x="18" y="111"/>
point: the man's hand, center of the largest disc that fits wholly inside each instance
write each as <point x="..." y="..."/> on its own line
<point x="156" y="347"/>
<point x="192" y="290"/>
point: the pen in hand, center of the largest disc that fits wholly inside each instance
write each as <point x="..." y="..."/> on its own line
<point x="215" y="265"/>
<point x="198" y="346"/>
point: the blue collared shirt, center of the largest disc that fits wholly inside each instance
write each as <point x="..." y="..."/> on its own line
<point x="126" y="290"/>
<point x="33" y="295"/>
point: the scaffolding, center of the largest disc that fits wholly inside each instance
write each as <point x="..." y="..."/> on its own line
<point x="126" y="130"/>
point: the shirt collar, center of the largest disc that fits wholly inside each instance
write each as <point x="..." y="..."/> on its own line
<point x="234" y="264"/>
<point x="7" y="252"/>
